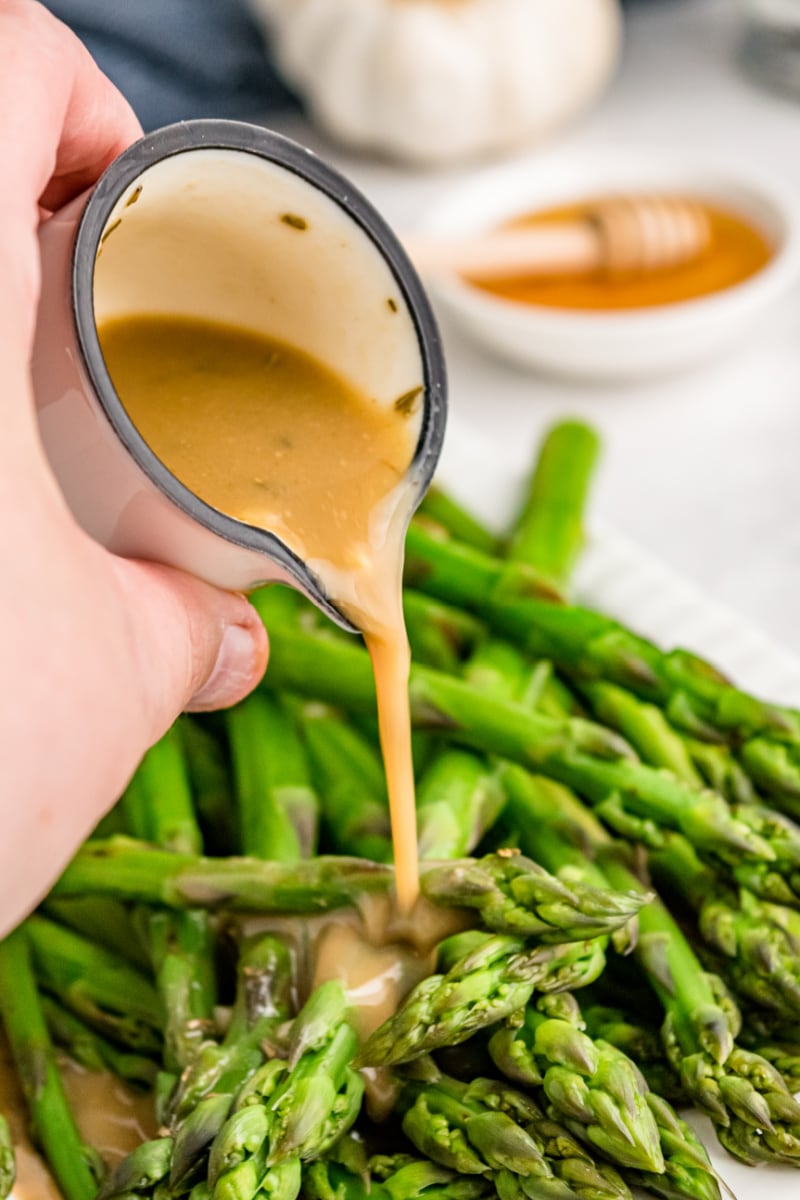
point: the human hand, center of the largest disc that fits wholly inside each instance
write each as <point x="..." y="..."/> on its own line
<point x="100" y="653"/>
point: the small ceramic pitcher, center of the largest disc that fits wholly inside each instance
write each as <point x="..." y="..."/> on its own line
<point x="229" y="222"/>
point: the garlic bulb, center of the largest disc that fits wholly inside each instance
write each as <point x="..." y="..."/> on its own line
<point x="437" y="81"/>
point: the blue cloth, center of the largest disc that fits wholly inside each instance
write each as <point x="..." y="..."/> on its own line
<point x="178" y="59"/>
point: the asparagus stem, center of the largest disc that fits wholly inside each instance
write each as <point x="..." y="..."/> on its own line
<point x="212" y="787"/>
<point x="459" y="798"/>
<point x="104" y="921"/>
<point x="98" y="986"/>
<point x="443" y="510"/>
<point x="757" y="944"/>
<point x="159" y="806"/>
<point x="439" y="635"/>
<point x="89" y="1048"/>
<point x="351" y="784"/>
<point x="548" y="532"/>
<point x="645" y="727"/>
<point x="75" y="1167"/>
<point x="8" y="1163"/>
<point x="131" y="870"/>
<point x="576" y="752"/>
<point x="514" y="600"/>
<point x="266" y="760"/>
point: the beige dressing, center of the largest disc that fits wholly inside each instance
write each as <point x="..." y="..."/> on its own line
<point x="266" y="434"/>
<point x="111" y="1117"/>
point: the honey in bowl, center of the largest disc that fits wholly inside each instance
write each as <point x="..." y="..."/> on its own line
<point x="736" y="251"/>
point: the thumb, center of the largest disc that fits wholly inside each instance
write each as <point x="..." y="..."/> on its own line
<point x="194" y="646"/>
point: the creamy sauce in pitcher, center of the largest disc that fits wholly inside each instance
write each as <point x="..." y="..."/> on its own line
<point x="266" y="434"/>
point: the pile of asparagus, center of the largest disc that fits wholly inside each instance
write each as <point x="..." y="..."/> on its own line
<point x="613" y="824"/>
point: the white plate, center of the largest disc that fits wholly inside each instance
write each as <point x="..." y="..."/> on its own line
<point x="626" y="582"/>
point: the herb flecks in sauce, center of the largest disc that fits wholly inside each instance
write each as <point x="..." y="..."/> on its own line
<point x="294" y="222"/>
<point x="107" y="232"/>
<point x="408" y="402"/>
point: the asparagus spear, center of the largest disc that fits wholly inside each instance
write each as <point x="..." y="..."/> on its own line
<point x="262" y="1005"/>
<point x="645" y="727"/>
<point x="439" y="634"/>
<point x="576" y="752"/>
<point x="641" y="1042"/>
<point x="102" y="920"/>
<point x="131" y="870"/>
<point x="277" y="807"/>
<point x="351" y="784"/>
<point x="731" y="1085"/>
<point x="515" y="895"/>
<point x="92" y="1050"/>
<point x="8" y="1162"/>
<point x="291" y="1110"/>
<point x="775" y="768"/>
<point x="757" y="944"/>
<point x="212" y="787"/>
<point x="158" y="805"/>
<point x="75" y="1166"/>
<point x="514" y="600"/>
<point x="98" y="986"/>
<point x="459" y="798"/>
<point x="405" y="1177"/>
<point x="482" y="979"/>
<point x="443" y="510"/>
<point x="548" y="532"/>
<point x="746" y="1098"/>
<point x="486" y="1128"/>
<point x="593" y="1088"/>
<point x="722" y="772"/>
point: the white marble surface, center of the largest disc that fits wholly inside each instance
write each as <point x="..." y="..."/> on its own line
<point x="703" y="468"/>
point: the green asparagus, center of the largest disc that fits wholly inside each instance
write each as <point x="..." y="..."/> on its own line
<point x="593" y="1088"/>
<point x="514" y="600"/>
<point x="276" y="805"/>
<point x="351" y="784"/>
<point x="459" y="798"/>
<point x="8" y="1163"/>
<point x="77" y="1168"/>
<point x="548" y="532"/>
<point x="515" y="895"/>
<point x="482" y="979"/>
<point x="98" y="986"/>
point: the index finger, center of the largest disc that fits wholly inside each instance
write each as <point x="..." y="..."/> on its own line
<point x="62" y="121"/>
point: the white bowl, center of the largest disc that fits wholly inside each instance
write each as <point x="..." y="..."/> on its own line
<point x="628" y="344"/>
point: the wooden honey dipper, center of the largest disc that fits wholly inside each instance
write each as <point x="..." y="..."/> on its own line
<point x="630" y="235"/>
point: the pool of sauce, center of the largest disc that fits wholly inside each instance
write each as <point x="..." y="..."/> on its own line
<point x="111" y="1117"/>
<point x="737" y="250"/>
<point x="267" y="434"/>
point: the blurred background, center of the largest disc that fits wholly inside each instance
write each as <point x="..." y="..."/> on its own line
<point x="414" y="99"/>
